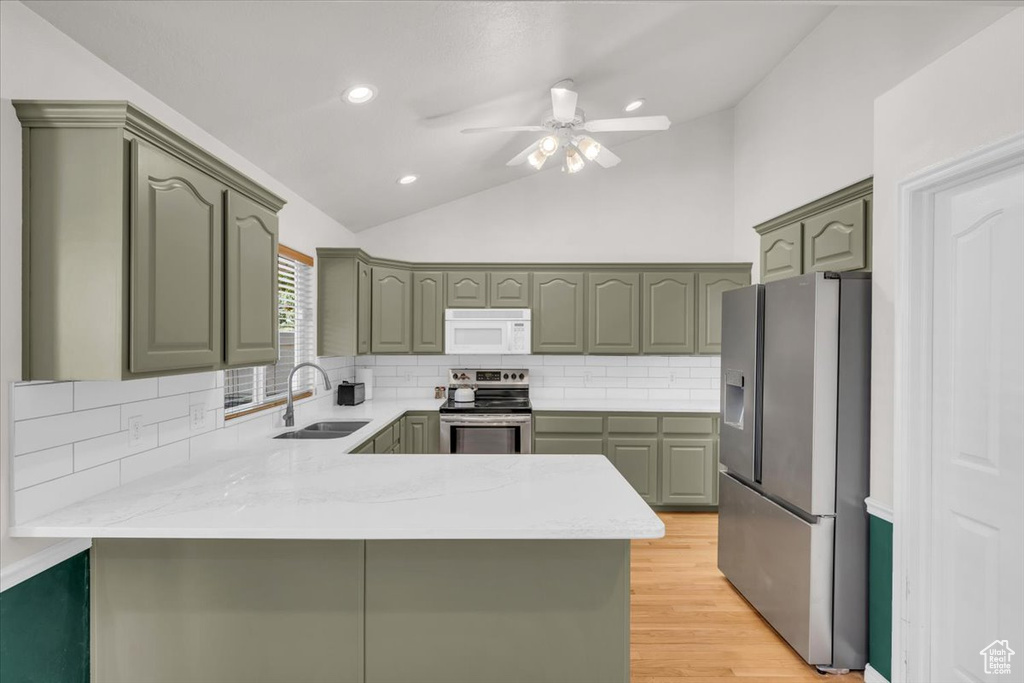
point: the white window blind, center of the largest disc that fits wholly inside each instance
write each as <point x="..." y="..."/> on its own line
<point x="247" y="388"/>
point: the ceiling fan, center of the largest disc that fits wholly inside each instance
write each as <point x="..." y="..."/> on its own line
<point x="567" y="128"/>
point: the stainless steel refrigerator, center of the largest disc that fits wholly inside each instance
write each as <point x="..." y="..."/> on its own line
<point x="792" y="528"/>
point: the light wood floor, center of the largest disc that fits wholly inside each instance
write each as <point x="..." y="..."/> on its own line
<point x="690" y="625"/>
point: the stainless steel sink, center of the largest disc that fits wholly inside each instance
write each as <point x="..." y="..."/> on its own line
<point x="337" y="427"/>
<point x="324" y="430"/>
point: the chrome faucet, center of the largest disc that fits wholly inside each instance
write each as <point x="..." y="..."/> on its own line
<point x="289" y="410"/>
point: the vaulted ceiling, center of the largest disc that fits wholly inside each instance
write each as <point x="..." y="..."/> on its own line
<point x="267" y="77"/>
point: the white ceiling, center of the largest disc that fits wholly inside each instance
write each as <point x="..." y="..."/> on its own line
<point x="266" y="78"/>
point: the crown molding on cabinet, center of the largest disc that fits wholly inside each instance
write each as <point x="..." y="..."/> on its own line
<point x="136" y="122"/>
<point x="855" y="191"/>
<point x="351" y="252"/>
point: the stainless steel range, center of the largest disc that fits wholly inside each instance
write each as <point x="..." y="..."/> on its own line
<point x="493" y="414"/>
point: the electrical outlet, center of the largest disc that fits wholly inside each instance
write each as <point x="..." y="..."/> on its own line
<point x="408" y="378"/>
<point x="134" y="430"/>
<point x="198" y="415"/>
<point x="588" y="376"/>
<point x="671" y="377"/>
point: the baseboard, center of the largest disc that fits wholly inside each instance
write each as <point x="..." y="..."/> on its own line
<point x="38" y="563"/>
<point x="872" y="676"/>
<point x="878" y="509"/>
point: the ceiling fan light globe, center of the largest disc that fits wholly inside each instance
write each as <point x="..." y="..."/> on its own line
<point x="590" y="148"/>
<point x="537" y="159"/>
<point x="548" y="145"/>
<point x="574" y="161"/>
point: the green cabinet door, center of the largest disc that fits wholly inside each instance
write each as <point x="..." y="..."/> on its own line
<point x="177" y="266"/>
<point x="710" y="287"/>
<point x="422" y="433"/>
<point x="636" y="459"/>
<point x="509" y="290"/>
<point x="428" y="312"/>
<point x="689" y="471"/>
<point x="558" y="313"/>
<point x="614" y="307"/>
<point x="467" y="289"/>
<point x="364" y="448"/>
<point x="391" y="310"/>
<point x="782" y="253"/>
<point x="837" y="239"/>
<point x="364" y="289"/>
<point x="668" y="318"/>
<point x="568" y="445"/>
<point x="384" y="442"/>
<point x="250" y="276"/>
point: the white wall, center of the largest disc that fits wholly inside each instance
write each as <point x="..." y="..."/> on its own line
<point x="806" y="130"/>
<point x="39" y="62"/>
<point x="669" y="200"/>
<point x="968" y="98"/>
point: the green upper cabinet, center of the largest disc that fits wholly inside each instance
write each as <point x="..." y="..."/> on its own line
<point x="144" y="255"/>
<point x="509" y="289"/>
<point x="710" y="287"/>
<point x="177" y="274"/>
<point x="344" y="292"/>
<point x="837" y="239"/>
<point x="467" y="289"/>
<point x="636" y="459"/>
<point x="689" y="471"/>
<point x="365" y="293"/>
<point x="831" y="233"/>
<point x="428" y="312"/>
<point x="782" y="253"/>
<point x="558" y="313"/>
<point x="250" y="310"/>
<point x="391" y="314"/>
<point x="668" y="313"/>
<point x="614" y="313"/>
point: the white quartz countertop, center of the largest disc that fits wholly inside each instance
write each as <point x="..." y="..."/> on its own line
<point x="620" y="405"/>
<point x="264" y="488"/>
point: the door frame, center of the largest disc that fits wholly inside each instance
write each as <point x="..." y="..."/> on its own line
<point x="912" y="411"/>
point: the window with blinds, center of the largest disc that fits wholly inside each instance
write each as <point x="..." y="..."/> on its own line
<point x="246" y="389"/>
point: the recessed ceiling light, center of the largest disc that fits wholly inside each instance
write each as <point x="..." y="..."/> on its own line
<point x="360" y="94"/>
<point x="635" y="104"/>
<point x="408" y="179"/>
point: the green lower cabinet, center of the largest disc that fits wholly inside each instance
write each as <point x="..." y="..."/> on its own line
<point x="422" y="433"/>
<point x="569" y="445"/>
<point x="689" y="472"/>
<point x="384" y="441"/>
<point x="636" y="459"/>
<point x="363" y="448"/>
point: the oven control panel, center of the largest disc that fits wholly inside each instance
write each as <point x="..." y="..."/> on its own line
<point x="504" y="377"/>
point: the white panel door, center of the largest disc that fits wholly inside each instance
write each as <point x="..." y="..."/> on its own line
<point x="977" y="525"/>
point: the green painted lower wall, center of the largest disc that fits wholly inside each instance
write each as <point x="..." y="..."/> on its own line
<point x="44" y="626"/>
<point x="880" y="596"/>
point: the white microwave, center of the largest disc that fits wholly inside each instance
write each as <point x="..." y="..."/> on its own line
<point x="490" y="331"/>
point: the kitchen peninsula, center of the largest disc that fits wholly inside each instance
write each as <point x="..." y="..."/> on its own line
<point x="293" y="560"/>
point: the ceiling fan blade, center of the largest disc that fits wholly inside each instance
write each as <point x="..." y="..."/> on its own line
<point x="627" y="124"/>
<point x="506" y="129"/>
<point x="521" y="157"/>
<point x="563" y="104"/>
<point x="605" y="157"/>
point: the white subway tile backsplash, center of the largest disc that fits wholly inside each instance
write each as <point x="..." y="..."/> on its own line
<point x="647" y="382"/>
<point x="41" y="399"/>
<point x="34" y="468"/>
<point x="563" y="360"/>
<point x="647" y="361"/>
<point x="40" y="499"/>
<point x="690" y="361"/>
<point x="705" y="372"/>
<point x="103" y="449"/>
<point x="55" y="430"/>
<point x="546" y="392"/>
<point x="183" y="384"/>
<point x="99" y="394"/>
<point x="137" y="466"/>
<point x="396" y="360"/>
<point x="71" y="439"/>
<point x="627" y="372"/>
<point x="606" y="361"/>
<point x="586" y="393"/>
<point x="584" y="371"/>
<point x="173" y="430"/>
<point x="155" y="410"/>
